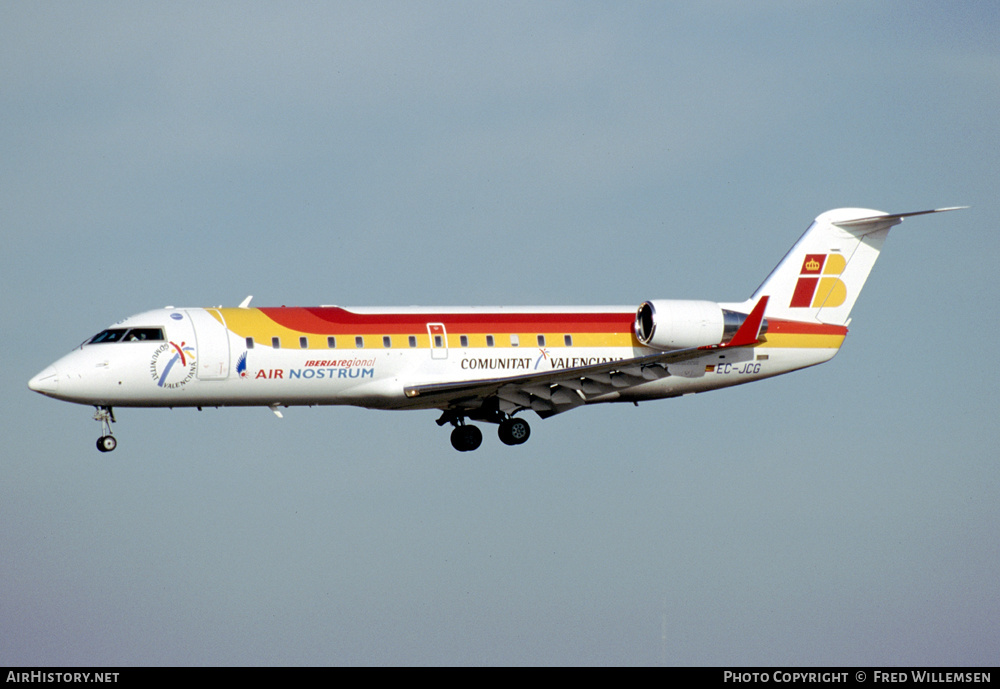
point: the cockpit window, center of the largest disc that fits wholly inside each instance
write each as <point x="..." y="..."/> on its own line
<point x="127" y="335"/>
<point x="144" y="335"/>
<point x="110" y="335"/>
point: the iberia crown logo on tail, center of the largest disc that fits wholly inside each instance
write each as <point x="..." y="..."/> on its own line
<point x="817" y="285"/>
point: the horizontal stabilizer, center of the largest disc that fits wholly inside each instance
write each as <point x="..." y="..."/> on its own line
<point x="889" y="220"/>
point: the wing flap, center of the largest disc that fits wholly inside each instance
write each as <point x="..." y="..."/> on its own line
<point x="598" y="376"/>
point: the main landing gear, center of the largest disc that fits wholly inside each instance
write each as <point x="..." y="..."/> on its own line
<point x="106" y="415"/>
<point x="514" y="431"/>
<point x="466" y="438"/>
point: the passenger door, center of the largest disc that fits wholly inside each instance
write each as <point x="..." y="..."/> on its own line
<point x="211" y="344"/>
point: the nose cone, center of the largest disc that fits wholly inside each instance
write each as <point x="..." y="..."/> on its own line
<point x="45" y="382"/>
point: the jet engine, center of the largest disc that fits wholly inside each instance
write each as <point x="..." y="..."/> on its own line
<point x="679" y="324"/>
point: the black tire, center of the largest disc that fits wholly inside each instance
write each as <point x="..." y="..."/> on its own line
<point x="106" y="443"/>
<point x="514" y="431"/>
<point x="466" y="438"/>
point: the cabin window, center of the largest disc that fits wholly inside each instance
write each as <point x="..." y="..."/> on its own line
<point x="386" y="341"/>
<point x="464" y="339"/>
<point x="568" y="340"/>
<point x="359" y="342"/>
<point x="331" y="342"/>
<point x="541" y="340"/>
<point x="515" y="341"/>
<point x="249" y="343"/>
<point x="303" y="343"/>
<point x="438" y="341"/>
<point x="413" y="340"/>
<point x="276" y="342"/>
<point x="489" y="340"/>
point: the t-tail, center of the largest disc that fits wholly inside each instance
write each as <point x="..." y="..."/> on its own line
<point x="820" y="278"/>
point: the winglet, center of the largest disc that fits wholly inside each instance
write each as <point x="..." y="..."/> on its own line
<point x="749" y="332"/>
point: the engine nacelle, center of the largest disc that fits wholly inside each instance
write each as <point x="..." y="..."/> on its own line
<point x="676" y="324"/>
<point x="679" y="324"/>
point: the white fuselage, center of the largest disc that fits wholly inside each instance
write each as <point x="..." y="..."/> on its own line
<point x="201" y="362"/>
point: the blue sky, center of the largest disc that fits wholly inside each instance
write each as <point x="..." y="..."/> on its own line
<point x="502" y="153"/>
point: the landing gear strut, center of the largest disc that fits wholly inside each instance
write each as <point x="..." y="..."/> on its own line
<point x="106" y="415"/>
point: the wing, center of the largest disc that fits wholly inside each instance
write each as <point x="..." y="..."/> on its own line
<point x="556" y="391"/>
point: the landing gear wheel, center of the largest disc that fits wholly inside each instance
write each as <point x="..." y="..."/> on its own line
<point x="466" y="438"/>
<point x="514" y="431"/>
<point x="106" y="416"/>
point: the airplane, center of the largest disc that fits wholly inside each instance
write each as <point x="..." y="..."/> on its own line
<point x="480" y="364"/>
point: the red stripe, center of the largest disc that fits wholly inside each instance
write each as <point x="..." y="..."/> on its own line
<point x="775" y="326"/>
<point x="335" y="320"/>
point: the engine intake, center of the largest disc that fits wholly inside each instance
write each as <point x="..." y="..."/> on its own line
<point x="680" y="324"/>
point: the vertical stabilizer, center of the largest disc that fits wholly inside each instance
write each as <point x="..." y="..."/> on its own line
<point x="820" y="278"/>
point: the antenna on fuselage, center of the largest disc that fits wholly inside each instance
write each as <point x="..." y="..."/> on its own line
<point x="246" y="302"/>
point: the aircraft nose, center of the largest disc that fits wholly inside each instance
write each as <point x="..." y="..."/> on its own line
<point x="46" y="381"/>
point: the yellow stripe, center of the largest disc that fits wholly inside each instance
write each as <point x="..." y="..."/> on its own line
<point x="253" y="323"/>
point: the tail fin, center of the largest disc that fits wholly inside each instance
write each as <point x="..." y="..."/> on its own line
<point x="820" y="278"/>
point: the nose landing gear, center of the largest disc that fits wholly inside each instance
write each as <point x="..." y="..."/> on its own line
<point x="106" y="415"/>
